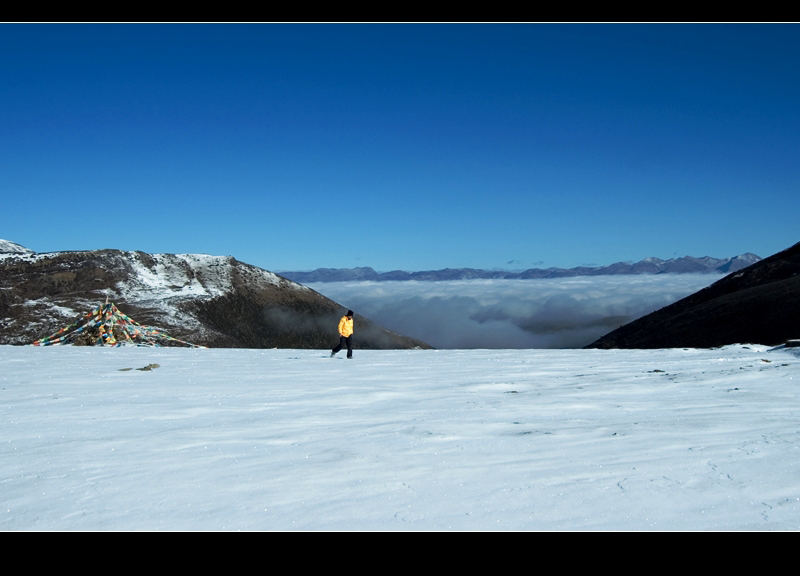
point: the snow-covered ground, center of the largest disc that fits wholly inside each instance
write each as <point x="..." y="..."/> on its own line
<point x="218" y="439"/>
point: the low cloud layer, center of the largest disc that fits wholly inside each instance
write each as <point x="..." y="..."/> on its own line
<point x="551" y="313"/>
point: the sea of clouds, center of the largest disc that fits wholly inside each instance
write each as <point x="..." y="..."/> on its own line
<point x="541" y="313"/>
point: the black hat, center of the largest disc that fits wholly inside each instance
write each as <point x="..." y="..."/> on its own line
<point x="349" y="313"/>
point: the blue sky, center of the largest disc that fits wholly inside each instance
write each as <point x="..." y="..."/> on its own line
<point x="402" y="146"/>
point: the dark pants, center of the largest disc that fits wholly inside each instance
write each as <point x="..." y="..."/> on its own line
<point x="342" y="341"/>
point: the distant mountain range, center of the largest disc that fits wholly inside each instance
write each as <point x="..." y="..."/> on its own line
<point x="758" y="305"/>
<point x="206" y="300"/>
<point x="685" y="265"/>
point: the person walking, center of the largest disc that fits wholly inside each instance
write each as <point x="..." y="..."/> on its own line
<point x="345" y="335"/>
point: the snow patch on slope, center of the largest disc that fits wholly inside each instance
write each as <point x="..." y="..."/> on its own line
<point x="8" y="247"/>
<point x="53" y="309"/>
<point x="168" y="276"/>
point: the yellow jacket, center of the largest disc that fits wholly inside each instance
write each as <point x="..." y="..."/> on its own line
<point x="346" y="326"/>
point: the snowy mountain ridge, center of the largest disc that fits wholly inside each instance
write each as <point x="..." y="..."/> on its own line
<point x="7" y="247"/>
<point x="163" y="276"/>
<point x="200" y="298"/>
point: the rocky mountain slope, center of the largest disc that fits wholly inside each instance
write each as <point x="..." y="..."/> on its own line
<point x="685" y="265"/>
<point x="759" y="304"/>
<point x="207" y="300"/>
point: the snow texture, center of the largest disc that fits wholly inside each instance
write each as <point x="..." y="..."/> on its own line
<point x="235" y="439"/>
<point x="12" y="248"/>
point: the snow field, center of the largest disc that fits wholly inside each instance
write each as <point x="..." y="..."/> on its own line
<point x="218" y="439"/>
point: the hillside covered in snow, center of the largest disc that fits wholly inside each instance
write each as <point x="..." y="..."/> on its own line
<point x="208" y="300"/>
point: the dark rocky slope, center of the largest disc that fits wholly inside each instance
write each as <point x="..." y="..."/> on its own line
<point x="759" y="304"/>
